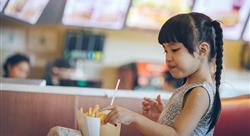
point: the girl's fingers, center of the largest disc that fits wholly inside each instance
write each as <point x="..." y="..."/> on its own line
<point x="158" y="99"/>
<point x="157" y="106"/>
<point x="145" y="109"/>
<point x="145" y="103"/>
<point x="148" y="104"/>
<point x="107" y="108"/>
<point x="114" y="119"/>
<point x="110" y="115"/>
<point x="149" y="107"/>
<point x="148" y="100"/>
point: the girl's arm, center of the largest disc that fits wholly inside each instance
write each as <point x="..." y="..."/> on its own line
<point x="195" y="107"/>
<point x="150" y="128"/>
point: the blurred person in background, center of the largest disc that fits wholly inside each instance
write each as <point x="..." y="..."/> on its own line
<point x="57" y="70"/>
<point x="16" y="66"/>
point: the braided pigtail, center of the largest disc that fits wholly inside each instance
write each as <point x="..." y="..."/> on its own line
<point x="219" y="54"/>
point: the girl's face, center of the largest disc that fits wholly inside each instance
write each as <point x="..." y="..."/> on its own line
<point x="180" y="62"/>
<point x="20" y="70"/>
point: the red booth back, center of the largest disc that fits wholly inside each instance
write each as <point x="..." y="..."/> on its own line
<point x="235" y="117"/>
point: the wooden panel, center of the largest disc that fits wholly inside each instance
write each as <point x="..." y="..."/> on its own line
<point x="132" y="104"/>
<point x="33" y="114"/>
<point x="29" y="114"/>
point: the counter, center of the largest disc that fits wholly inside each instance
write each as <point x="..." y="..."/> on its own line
<point x="28" y="110"/>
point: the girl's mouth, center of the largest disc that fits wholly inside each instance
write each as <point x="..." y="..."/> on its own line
<point x="171" y="67"/>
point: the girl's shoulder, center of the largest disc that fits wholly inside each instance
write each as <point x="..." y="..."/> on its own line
<point x="185" y="89"/>
<point x="181" y="92"/>
<point x="209" y="87"/>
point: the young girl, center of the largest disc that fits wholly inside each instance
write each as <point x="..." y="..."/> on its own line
<point x="191" y="41"/>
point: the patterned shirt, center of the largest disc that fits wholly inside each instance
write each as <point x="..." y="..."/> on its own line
<point x="174" y="106"/>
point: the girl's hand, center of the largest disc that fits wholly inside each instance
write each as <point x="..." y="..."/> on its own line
<point x="119" y="115"/>
<point x="152" y="108"/>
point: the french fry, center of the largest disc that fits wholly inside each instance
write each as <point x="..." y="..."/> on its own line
<point x="81" y="110"/>
<point x="86" y="114"/>
<point x="90" y="111"/>
<point x="95" y="112"/>
<point x="102" y="117"/>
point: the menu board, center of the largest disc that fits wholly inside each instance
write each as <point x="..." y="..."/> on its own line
<point x="246" y="35"/>
<point x="152" y="14"/>
<point x="2" y="4"/>
<point x="233" y="14"/>
<point x="25" y="10"/>
<point x="96" y="13"/>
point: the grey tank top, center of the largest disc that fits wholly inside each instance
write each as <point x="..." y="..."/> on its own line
<point x="174" y="106"/>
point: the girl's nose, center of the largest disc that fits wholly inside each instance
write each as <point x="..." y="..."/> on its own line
<point x="169" y="58"/>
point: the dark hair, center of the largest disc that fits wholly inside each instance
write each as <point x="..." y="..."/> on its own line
<point x="192" y="29"/>
<point x="58" y="63"/>
<point x="12" y="61"/>
<point x="62" y="63"/>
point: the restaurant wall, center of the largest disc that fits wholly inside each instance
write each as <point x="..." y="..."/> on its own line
<point x="232" y="54"/>
<point x="120" y="47"/>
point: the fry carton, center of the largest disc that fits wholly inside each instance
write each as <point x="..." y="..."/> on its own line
<point x="91" y="123"/>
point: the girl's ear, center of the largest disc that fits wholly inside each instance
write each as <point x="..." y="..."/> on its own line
<point x="203" y="49"/>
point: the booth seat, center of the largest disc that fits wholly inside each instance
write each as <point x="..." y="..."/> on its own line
<point x="235" y="117"/>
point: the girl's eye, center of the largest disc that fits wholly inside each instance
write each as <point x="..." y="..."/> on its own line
<point x="165" y="52"/>
<point x="175" y="50"/>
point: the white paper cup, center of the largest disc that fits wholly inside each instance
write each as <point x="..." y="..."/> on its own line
<point x="91" y="126"/>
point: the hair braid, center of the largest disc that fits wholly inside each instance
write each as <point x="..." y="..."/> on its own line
<point x="219" y="55"/>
